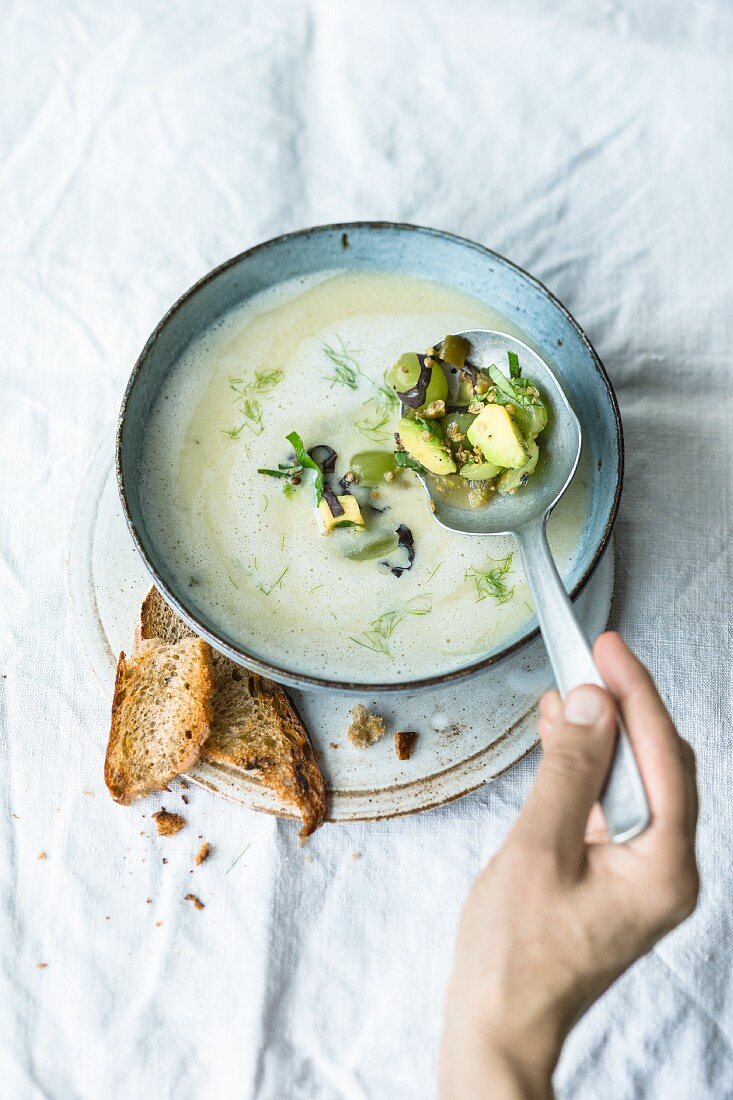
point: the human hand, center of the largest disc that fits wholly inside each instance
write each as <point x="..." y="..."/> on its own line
<point x="560" y="912"/>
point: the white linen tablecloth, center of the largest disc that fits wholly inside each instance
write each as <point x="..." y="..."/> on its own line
<point x="140" y="144"/>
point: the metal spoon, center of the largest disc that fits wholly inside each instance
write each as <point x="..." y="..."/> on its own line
<point x="524" y="514"/>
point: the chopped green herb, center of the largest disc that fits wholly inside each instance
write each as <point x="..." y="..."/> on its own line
<point x="292" y="470"/>
<point x="385" y="401"/>
<point x="314" y="589"/>
<point x="282" y="543"/>
<point x="266" y="500"/>
<point x="263" y="382"/>
<point x="288" y="489"/>
<point x="346" y="368"/>
<point x="374" y="427"/>
<point x="387" y="397"/>
<point x="402" y="458"/>
<point x="232" y="580"/>
<point x="381" y="629"/>
<point x="252" y="413"/>
<point x="514" y="368"/>
<point x="307" y="462"/>
<point x="276" y="584"/>
<point x="490" y="582"/>
<point x="437" y="567"/>
<point x="506" y="392"/>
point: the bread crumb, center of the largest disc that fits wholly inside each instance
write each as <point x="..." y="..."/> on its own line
<point x="168" y="823"/>
<point x="88" y="794"/>
<point x="365" y="728"/>
<point x="356" y="855"/>
<point x="404" y="743"/>
<point x="184" y="799"/>
<point x="335" y="745"/>
<point x="165" y="860"/>
<point x="42" y="855"/>
<point x="158" y="923"/>
<point x="203" y="853"/>
<point x="148" y="901"/>
<point x="41" y="966"/>
<point x="197" y="902"/>
<point x="185" y="784"/>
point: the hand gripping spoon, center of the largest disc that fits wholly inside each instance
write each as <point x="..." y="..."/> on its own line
<point x="524" y="514"/>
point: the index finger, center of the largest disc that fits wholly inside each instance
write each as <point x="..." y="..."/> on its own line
<point x="663" y="757"/>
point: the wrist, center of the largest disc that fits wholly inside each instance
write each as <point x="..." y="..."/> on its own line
<point x="517" y="1075"/>
<point x="481" y="1060"/>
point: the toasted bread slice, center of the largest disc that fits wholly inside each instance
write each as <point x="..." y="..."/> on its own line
<point x="161" y="715"/>
<point x="254" y="724"/>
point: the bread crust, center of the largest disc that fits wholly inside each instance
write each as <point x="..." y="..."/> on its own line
<point x="255" y="726"/>
<point x="161" y="716"/>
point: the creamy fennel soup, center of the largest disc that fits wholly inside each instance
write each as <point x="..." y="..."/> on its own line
<point x="363" y="601"/>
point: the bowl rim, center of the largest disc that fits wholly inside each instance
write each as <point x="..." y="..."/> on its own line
<point x="306" y="681"/>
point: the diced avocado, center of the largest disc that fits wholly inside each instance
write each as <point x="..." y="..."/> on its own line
<point x="480" y="471"/>
<point x="403" y="375"/>
<point x="423" y="440"/>
<point x="531" y="414"/>
<point x="497" y="437"/>
<point x="514" y="479"/>
<point x="352" y="516"/>
<point x="454" y="350"/>
<point x="530" y="419"/>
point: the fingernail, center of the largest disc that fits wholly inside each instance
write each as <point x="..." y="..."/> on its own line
<point x="583" y="707"/>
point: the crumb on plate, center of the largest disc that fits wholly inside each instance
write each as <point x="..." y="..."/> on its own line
<point x="404" y="743"/>
<point x="365" y="728"/>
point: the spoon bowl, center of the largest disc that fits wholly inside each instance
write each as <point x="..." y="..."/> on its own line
<point x="560" y="450"/>
<point x="524" y="514"/>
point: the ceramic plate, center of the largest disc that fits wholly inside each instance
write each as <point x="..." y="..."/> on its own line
<point x="468" y="733"/>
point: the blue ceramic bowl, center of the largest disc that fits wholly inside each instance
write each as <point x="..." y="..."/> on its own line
<point x="406" y="249"/>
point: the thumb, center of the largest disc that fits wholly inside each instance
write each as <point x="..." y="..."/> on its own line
<point x="576" y="758"/>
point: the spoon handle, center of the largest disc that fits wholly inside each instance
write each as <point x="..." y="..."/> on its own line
<point x="623" y="799"/>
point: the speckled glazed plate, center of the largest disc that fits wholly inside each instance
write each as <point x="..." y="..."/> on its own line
<point x="470" y="732"/>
